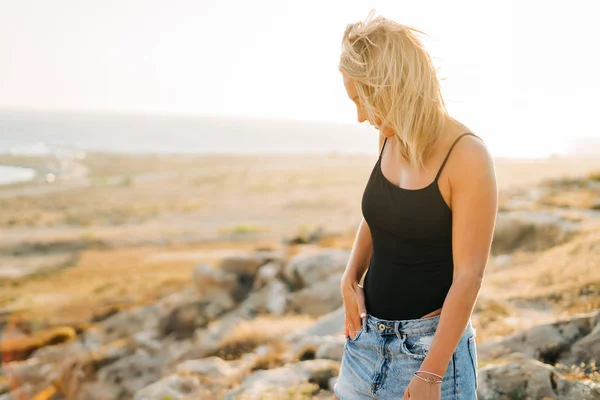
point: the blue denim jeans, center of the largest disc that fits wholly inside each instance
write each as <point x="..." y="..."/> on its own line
<point x="380" y="361"/>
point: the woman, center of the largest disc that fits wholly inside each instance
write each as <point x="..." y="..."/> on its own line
<point x="429" y="211"/>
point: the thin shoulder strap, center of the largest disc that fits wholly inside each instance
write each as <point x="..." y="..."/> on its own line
<point x="383" y="147"/>
<point x="450" y="151"/>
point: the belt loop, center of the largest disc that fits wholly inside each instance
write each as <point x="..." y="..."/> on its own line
<point x="397" y="329"/>
<point x="364" y="322"/>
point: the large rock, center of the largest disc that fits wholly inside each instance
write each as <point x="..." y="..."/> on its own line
<point x="548" y="342"/>
<point x="308" y="268"/>
<point x="122" y="325"/>
<point x="173" y="387"/>
<point x="248" y="263"/>
<point x="323" y="347"/>
<point x="25" y="391"/>
<point x="278" y="381"/>
<point x="211" y="367"/>
<point x="207" y="280"/>
<point x="524" y="378"/>
<point x="95" y="391"/>
<point x="529" y="231"/>
<point x="74" y="368"/>
<point x="267" y="273"/>
<point x="586" y="349"/>
<point x="222" y="286"/>
<point x="183" y="321"/>
<point x="216" y="374"/>
<point x="57" y="353"/>
<point x="317" y="299"/>
<point x="328" y="324"/>
<point x="243" y="267"/>
<point x="271" y="298"/>
<point x="206" y="340"/>
<point x="132" y="373"/>
<point x="277" y="297"/>
<point x="30" y="371"/>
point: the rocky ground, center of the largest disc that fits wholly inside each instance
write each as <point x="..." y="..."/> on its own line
<point x="109" y="302"/>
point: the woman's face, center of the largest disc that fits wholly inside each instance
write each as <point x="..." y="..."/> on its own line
<point x="360" y="113"/>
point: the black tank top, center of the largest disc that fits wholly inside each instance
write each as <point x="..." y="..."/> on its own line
<point x="411" y="266"/>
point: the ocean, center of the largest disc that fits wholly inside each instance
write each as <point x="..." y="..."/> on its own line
<point x="43" y="132"/>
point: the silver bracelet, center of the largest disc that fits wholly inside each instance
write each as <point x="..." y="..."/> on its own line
<point x="430" y="380"/>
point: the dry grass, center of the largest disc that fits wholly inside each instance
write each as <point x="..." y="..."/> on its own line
<point x="594" y="176"/>
<point x="119" y="277"/>
<point x="565" y="269"/>
<point x="575" y="198"/>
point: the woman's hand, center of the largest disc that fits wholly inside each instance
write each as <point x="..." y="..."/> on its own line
<point x="354" y="304"/>
<point x="420" y="390"/>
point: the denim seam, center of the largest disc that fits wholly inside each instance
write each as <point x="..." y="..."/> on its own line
<point x="374" y="378"/>
<point x="470" y="347"/>
<point x="456" y="385"/>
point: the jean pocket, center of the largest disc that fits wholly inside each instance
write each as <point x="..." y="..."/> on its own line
<point x="358" y="335"/>
<point x="473" y="353"/>
<point x="417" y="345"/>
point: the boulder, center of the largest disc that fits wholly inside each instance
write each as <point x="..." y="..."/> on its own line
<point x="278" y="381"/>
<point x="525" y="378"/>
<point x="183" y="321"/>
<point x="122" y="325"/>
<point x="324" y="347"/>
<point x="329" y="324"/>
<point x="266" y="274"/>
<point x="249" y="263"/>
<point x="224" y="287"/>
<point x="317" y="299"/>
<point x="310" y="267"/>
<point x="132" y="373"/>
<point x="585" y="350"/>
<point x="172" y="387"/>
<point x="277" y="297"/>
<point x="210" y="367"/>
<point x="547" y="342"/>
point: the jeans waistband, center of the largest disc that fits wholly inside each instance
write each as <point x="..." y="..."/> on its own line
<point x="409" y="326"/>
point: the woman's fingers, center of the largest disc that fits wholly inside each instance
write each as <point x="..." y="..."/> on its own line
<point x="354" y="303"/>
<point x="359" y="295"/>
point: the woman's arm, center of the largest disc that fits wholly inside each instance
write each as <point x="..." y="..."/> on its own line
<point x="358" y="261"/>
<point x="474" y="203"/>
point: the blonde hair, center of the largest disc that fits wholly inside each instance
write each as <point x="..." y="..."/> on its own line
<point x="396" y="81"/>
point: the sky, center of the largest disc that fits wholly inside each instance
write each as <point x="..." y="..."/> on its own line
<point x="521" y="74"/>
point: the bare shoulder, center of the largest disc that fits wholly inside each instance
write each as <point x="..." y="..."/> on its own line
<point x="472" y="165"/>
<point x="471" y="152"/>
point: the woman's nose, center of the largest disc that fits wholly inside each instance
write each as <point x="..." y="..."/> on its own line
<point x="360" y="117"/>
